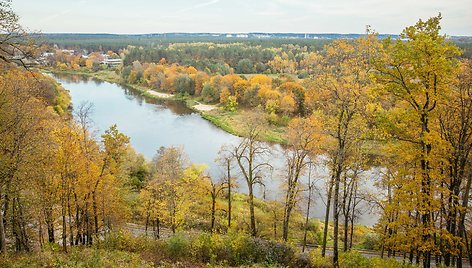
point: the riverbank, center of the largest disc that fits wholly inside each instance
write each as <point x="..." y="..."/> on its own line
<point x="231" y="122"/>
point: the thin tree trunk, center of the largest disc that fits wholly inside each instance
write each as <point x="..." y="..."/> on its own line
<point x="288" y="210"/>
<point x="213" y="208"/>
<point x="306" y="219"/>
<point x="251" y="211"/>
<point x="147" y="224"/>
<point x="95" y="212"/>
<point x="336" y="218"/>
<point x="3" y="246"/>
<point x="346" y="233"/>
<point x="71" y="228"/>
<point x="229" y="193"/>
<point x="353" y="213"/>
<point x="326" y="221"/>
<point x="462" y="215"/>
<point x="64" y="230"/>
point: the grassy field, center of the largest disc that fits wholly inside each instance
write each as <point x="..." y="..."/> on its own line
<point x="234" y="123"/>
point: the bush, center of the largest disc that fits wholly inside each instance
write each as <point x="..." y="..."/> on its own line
<point x="303" y="261"/>
<point x="318" y="261"/>
<point x="371" y="241"/>
<point x="177" y="246"/>
<point x="240" y="249"/>
<point x="205" y="248"/>
<point x="123" y="241"/>
<point x="354" y="259"/>
<point x="387" y="263"/>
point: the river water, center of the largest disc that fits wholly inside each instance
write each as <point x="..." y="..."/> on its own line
<point x="152" y="123"/>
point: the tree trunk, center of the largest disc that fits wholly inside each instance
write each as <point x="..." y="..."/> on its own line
<point x="426" y="188"/>
<point x="213" y="208"/>
<point x="336" y="218"/>
<point x="64" y="231"/>
<point x="3" y="246"/>
<point x="229" y="193"/>
<point x="64" y="224"/>
<point x="346" y="233"/>
<point x="288" y="210"/>
<point x="95" y="212"/>
<point x="49" y="225"/>
<point x="274" y="225"/>
<point x="326" y="221"/>
<point x="462" y="214"/>
<point x="71" y="228"/>
<point x="251" y="211"/>
<point x="146" y="224"/>
<point x="353" y="213"/>
<point x="306" y="218"/>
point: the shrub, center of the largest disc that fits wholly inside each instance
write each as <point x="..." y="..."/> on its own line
<point x="231" y="104"/>
<point x="303" y="261"/>
<point x="177" y="246"/>
<point x="318" y="261"/>
<point x="387" y="263"/>
<point x="204" y="248"/>
<point x="354" y="259"/>
<point x="371" y="241"/>
<point x="123" y="241"/>
<point x="240" y="249"/>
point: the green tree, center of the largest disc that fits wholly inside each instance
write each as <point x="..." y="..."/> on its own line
<point x="245" y="66"/>
<point x="183" y="83"/>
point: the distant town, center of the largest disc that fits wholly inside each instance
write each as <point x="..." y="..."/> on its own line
<point x="252" y="35"/>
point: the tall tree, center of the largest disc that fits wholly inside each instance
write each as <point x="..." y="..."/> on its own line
<point x="343" y="83"/>
<point x="304" y="137"/>
<point x="250" y="156"/>
<point x="417" y="73"/>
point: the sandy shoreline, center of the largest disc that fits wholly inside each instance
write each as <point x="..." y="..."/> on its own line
<point x="159" y="94"/>
<point x="204" y="107"/>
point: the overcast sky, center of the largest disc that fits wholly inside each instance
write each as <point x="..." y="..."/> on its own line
<point x="312" y="16"/>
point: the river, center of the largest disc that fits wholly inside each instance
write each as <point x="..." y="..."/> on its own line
<point x="152" y="123"/>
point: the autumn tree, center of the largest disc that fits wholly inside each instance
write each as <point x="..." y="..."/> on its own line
<point x="455" y="120"/>
<point x="343" y="85"/>
<point x="224" y="159"/>
<point x="249" y="156"/>
<point x="418" y="73"/>
<point x="304" y="136"/>
<point x="166" y="196"/>
<point x="23" y="116"/>
<point x="214" y="189"/>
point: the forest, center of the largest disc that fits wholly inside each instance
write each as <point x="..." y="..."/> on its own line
<point x="402" y="105"/>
